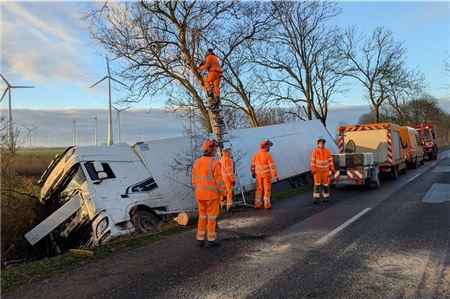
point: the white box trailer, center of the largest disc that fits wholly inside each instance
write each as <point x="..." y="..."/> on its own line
<point x="97" y="193"/>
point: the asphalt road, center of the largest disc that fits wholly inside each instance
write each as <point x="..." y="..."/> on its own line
<point x="363" y="244"/>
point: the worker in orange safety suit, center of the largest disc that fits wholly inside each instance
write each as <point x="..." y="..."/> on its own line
<point x="263" y="169"/>
<point x="209" y="186"/>
<point x="226" y="162"/>
<point x="322" y="168"/>
<point x="212" y="80"/>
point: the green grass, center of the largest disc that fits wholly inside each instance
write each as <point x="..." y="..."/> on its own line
<point x="40" y="152"/>
<point x="15" y="277"/>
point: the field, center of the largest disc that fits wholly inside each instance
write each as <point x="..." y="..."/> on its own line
<point x="20" y="208"/>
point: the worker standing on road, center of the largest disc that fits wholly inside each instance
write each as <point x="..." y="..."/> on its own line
<point x="263" y="169"/>
<point x="212" y="80"/>
<point x="209" y="186"/>
<point x="322" y="168"/>
<point x="226" y="162"/>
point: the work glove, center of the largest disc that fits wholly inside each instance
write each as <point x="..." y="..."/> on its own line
<point x="253" y="175"/>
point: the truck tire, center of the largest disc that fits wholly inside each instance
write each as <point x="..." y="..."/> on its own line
<point x="374" y="184"/>
<point x="394" y="172"/>
<point x="144" y="221"/>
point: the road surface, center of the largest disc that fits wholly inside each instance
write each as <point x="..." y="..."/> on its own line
<point x="390" y="242"/>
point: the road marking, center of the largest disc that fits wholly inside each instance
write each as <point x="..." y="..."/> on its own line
<point x="414" y="177"/>
<point x="330" y="235"/>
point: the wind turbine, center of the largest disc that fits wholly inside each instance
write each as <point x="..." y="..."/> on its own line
<point x="74" y="132"/>
<point x="95" y="132"/>
<point x="8" y="89"/>
<point x="110" y="136"/>
<point x="118" y="118"/>
<point x="30" y="129"/>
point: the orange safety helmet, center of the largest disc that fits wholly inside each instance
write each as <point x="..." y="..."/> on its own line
<point x="265" y="143"/>
<point x="209" y="144"/>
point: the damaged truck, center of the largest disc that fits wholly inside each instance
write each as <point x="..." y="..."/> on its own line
<point x="97" y="193"/>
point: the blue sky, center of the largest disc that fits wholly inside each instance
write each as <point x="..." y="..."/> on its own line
<point x="46" y="44"/>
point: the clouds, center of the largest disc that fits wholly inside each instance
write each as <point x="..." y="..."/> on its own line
<point x="44" y="41"/>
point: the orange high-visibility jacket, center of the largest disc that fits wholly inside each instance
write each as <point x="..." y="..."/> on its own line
<point x="207" y="178"/>
<point x="227" y="168"/>
<point x="211" y="64"/>
<point x="263" y="165"/>
<point x="321" y="160"/>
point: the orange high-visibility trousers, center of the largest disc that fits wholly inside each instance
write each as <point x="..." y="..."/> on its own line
<point x="212" y="82"/>
<point x="263" y="190"/>
<point x="208" y="211"/>
<point x="229" y="198"/>
<point x="321" y="178"/>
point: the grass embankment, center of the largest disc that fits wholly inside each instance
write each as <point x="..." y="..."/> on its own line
<point x="15" y="277"/>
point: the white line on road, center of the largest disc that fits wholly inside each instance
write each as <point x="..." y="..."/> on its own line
<point x="414" y="177"/>
<point x="324" y="239"/>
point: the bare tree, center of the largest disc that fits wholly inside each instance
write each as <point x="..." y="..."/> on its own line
<point x="159" y="45"/>
<point x="402" y="87"/>
<point x="9" y="142"/>
<point x="374" y="62"/>
<point x="236" y="47"/>
<point x="300" y="56"/>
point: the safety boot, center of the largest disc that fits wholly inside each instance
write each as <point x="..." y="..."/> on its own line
<point x="315" y="201"/>
<point x="211" y="244"/>
<point x="201" y="243"/>
<point x="267" y="206"/>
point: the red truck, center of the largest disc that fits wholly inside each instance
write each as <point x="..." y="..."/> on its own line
<point x="427" y="133"/>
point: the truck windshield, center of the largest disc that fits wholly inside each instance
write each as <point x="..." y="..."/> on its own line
<point x="68" y="187"/>
<point x="426" y="134"/>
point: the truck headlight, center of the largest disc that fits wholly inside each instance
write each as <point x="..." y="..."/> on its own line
<point x="101" y="226"/>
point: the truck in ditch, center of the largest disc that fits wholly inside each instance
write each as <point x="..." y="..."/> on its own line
<point x="366" y="151"/>
<point x="97" y="193"/>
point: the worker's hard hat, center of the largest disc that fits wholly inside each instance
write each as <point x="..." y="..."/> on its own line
<point x="209" y="144"/>
<point x="210" y="51"/>
<point x="227" y="150"/>
<point x="265" y="143"/>
<point x="321" y="139"/>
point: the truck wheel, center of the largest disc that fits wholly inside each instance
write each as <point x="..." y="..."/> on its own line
<point x="144" y="221"/>
<point x="394" y="172"/>
<point x="375" y="184"/>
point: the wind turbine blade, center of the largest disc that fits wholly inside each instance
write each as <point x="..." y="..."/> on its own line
<point x="106" y="77"/>
<point x="118" y="82"/>
<point x="3" y="95"/>
<point x="22" y="86"/>
<point x="6" y="81"/>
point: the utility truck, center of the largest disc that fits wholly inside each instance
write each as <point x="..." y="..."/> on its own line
<point x="414" y="150"/>
<point x="367" y="150"/>
<point x="97" y="193"/>
<point x="427" y="133"/>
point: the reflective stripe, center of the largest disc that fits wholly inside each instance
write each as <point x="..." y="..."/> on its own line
<point x="212" y="234"/>
<point x="202" y="232"/>
<point x="211" y="239"/>
<point x="200" y="238"/>
<point x="203" y="177"/>
<point x="210" y="169"/>
<point x="262" y="171"/>
<point x="207" y="187"/>
<point x="315" y="195"/>
<point x="203" y="217"/>
<point x="220" y="183"/>
<point x="212" y="217"/>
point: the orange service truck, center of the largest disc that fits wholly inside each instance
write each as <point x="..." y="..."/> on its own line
<point x="366" y="150"/>
<point x="414" y="150"/>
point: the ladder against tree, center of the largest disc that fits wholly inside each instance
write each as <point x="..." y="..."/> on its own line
<point x="220" y="130"/>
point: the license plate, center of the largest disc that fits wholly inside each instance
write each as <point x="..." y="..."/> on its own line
<point x="346" y="182"/>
